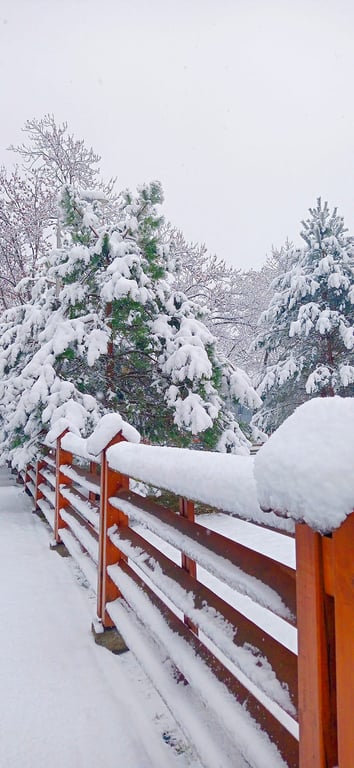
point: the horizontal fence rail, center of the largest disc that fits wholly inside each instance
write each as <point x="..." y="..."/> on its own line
<point x="213" y="620"/>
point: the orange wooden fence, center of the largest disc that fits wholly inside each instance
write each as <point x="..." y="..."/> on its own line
<point x="116" y="536"/>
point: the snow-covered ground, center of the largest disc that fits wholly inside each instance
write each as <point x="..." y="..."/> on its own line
<point x="64" y="700"/>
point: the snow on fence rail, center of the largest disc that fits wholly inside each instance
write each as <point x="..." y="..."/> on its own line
<point x="195" y="606"/>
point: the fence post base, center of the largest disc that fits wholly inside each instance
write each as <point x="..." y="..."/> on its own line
<point x="59" y="547"/>
<point x="108" y="637"/>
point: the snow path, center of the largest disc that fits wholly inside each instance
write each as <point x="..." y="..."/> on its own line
<point x="64" y="700"/>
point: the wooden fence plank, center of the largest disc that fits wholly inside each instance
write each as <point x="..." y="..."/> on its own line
<point x="79" y="475"/>
<point x="82" y="520"/>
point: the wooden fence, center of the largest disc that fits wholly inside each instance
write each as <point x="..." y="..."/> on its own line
<point x="160" y="575"/>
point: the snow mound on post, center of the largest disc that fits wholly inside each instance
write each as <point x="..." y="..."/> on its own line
<point x="306" y="469"/>
<point x="107" y="428"/>
<point x="58" y="428"/>
<point x="78" y="446"/>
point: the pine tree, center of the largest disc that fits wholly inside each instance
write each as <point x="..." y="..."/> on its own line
<point x="308" y="328"/>
<point x="117" y="336"/>
<point x="161" y="370"/>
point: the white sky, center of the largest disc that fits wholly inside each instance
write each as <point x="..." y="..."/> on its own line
<point x="242" y="108"/>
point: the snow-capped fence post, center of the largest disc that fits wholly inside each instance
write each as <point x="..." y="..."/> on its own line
<point x="62" y="458"/>
<point x="111" y="483"/>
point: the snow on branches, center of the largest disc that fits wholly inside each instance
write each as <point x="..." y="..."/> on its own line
<point x="307" y="332"/>
<point x="104" y="330"/>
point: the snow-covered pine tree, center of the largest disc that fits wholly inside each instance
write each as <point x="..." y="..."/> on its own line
<point x="161" y="369"/>
<point x="308" y="329"/>
<point x="118" y="337"/>
<point x="33" y="393"/>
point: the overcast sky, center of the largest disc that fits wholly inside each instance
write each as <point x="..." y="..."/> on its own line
<point x="243" y="109"/>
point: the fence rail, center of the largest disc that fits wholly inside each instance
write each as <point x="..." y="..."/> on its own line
<point x="168" y="583"/>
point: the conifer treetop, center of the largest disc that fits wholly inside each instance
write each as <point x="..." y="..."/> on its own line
<point x="307" y="332"/>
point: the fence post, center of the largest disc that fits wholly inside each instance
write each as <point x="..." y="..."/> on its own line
<point x="93" y="471"/>
<point x="111" y="483"/>
<point x="316" y="675"/>
<point x="186" y="509"/>
<point x="62" y="457"/>
<point x="39" y="479"/>
<point x="27" y="479"/>
<point x="343" y="578"/>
